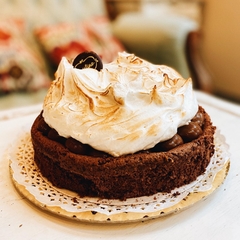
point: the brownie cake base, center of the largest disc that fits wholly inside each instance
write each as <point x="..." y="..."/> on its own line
<point x="134" y="175"/>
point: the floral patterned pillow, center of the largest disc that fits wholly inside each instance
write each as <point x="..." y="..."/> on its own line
<point x="70" y="39"/>
<point x="21" y="68"/>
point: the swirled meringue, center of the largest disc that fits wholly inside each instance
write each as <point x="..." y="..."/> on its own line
<point x="128" y="106"/>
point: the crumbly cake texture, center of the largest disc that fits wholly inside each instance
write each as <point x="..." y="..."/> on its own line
<point x="134" y="175"/>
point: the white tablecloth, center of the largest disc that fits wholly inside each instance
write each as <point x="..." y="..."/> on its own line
<point x="216" y="217"/>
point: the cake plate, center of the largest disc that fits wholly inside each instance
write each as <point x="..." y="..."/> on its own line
<point x="31" y="184"/>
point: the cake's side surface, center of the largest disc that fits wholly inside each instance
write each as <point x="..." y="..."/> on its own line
<point x="132" y="175"/>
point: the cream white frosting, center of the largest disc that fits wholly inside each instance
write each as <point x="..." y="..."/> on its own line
<point x="128" y="106"/>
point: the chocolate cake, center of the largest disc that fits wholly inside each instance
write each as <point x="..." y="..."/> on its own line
<point x="92" y="170"/>
<point x="98" y="174"/>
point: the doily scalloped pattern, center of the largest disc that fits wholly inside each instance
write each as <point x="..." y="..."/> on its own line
<point x="26" y="173"/>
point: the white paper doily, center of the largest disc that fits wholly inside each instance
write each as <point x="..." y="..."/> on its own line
<point x="29" y="181"/>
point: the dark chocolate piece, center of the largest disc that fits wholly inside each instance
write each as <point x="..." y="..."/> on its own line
<point x="88" y="60"/>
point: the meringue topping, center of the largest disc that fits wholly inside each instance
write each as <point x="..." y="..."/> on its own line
<point x="128" y="106"/>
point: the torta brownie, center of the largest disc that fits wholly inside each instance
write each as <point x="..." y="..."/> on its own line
<point x="133" y="175"/>
<point x="160" y="167"/>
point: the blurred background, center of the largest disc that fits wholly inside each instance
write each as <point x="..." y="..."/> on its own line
<point x="199" y="38"/>
<point x="217" y="47"/>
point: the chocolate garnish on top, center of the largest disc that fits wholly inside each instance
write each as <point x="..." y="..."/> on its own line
<point x="88" y="60"/>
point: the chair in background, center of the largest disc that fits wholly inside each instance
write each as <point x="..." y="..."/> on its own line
<point x="161" y="35"/>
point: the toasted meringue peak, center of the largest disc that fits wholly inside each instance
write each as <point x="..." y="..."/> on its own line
<point x="128" y="106"/>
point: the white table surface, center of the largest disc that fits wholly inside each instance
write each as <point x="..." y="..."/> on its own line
<point x="216" y="217"/>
